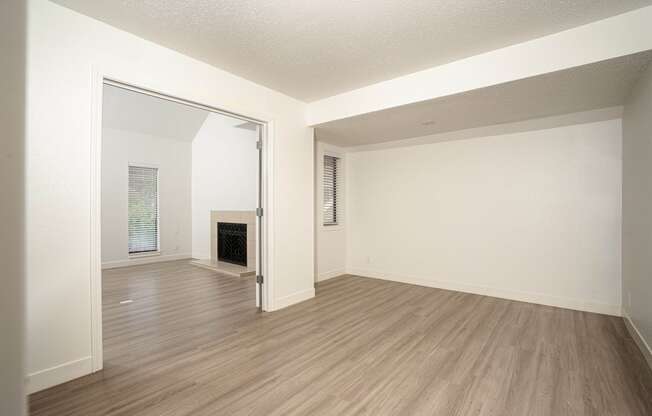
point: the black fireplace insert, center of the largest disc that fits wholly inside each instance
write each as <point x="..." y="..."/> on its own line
<point x="232" y="243"/>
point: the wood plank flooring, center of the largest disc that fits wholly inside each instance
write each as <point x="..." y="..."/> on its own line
<point x="192" y="343"/>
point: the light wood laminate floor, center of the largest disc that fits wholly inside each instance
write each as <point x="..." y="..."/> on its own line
<point x="192" y="343"/>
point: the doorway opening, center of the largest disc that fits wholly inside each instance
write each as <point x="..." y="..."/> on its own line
<point x="181" y="188"/>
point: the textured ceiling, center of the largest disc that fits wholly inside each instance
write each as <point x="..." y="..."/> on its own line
<point x="131" y="111"/>
<point x="315" y="49"/>
<point x="599" y="85"/>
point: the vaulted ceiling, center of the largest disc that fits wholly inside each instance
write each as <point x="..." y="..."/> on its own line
<point x="140" y="113"/>
<point x="314" y="49"/>
<point x="128" y="110"/>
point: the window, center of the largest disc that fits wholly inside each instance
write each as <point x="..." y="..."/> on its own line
<point x="331" y="195"/>
<point x="143" y="210"/>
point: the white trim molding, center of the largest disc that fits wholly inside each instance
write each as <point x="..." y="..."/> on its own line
<point x="530" y="297"/>
<point x="296" y="297"/>
<point x="49" y="377"/>
<point x="138" y="260"/>
<point x="95" y="246"/>
<point x="641" y="343"/>
<point x="329" y="275"/>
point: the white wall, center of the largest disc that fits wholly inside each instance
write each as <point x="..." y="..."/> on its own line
<point x="637" y="210"/>
<point x="12" y="232"/>
<point x="224" y="175"/>
<point x="330" y="244"/>
<point x="533" y="216"/>
<point x="173" y="159"/>
<point x="64" y="48"/>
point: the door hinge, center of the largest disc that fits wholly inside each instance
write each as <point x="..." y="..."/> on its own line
<point x="259" y="279"/>
<point x="259" y="212"/>
<point x="259" y="145"/>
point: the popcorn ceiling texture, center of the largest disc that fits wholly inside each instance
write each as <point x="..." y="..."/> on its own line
<point x="314" y="49"/>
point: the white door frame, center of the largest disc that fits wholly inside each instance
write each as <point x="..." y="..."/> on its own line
<point x="264" y="266"/>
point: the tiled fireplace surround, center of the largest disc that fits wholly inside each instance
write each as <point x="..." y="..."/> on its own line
<point x="240" y="217"/>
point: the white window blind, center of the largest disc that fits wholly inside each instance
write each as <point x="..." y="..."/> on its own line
<point x="331" y="195"/>
<point x="143" y="209"/>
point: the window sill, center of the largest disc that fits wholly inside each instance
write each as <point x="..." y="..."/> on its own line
<point x="147" y="254"/>
<point x="338" y="227"/>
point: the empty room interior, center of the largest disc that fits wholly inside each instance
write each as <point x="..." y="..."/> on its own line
<point x="326" y="208"/>
<point x="179" y="182"/>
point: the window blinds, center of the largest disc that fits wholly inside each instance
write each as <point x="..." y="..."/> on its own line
<point x="331" y="196"/>
<point x="143" y="209"/>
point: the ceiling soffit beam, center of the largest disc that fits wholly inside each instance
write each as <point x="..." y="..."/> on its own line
<point x="613" y="37"/>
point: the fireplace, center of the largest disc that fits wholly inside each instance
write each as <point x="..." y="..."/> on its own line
<point x="232" y="243"/>
<point x="245" y="222"/>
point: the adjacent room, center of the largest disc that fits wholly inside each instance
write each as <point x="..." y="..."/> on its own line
<point x="332" y="208"/>
<point x="179" y="193"/>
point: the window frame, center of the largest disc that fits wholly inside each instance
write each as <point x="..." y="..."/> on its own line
<point x="156" y="252"/>
<point x="339" y="172"/>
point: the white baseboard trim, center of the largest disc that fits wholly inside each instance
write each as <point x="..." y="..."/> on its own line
<point x="200" y="255"/>
<point x="296" y="297"/>
<point x="538" y="298"/>
<point x="49" y="377"/>
<point x="329" y="275"/>
<point x="638" y="338"/>
<point x="144" y="260"/>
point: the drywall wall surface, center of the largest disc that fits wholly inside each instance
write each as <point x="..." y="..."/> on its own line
<point x="637" y="207"/>
<point x="534" y="215"/>
<point x="13" y="29"/>
<point x="65" y="51"/>
<point x="224" y="175"/>
<point x="120" y="149"/>
<point x="330" y="244"/>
